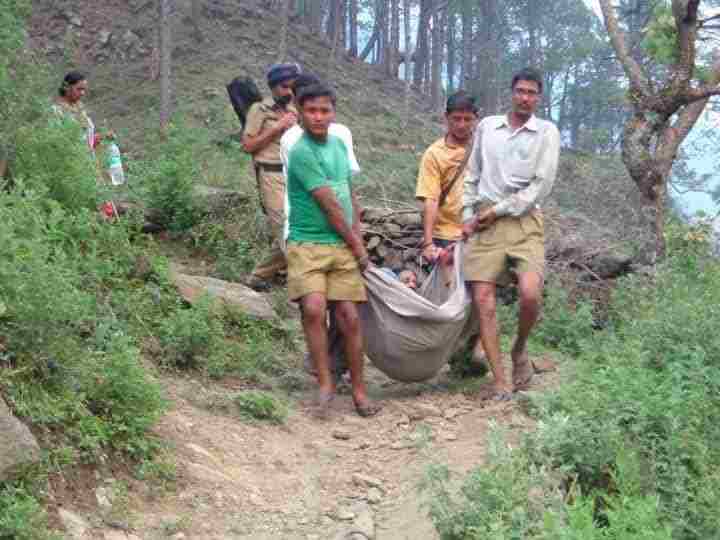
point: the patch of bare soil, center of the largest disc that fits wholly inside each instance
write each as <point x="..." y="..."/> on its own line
<point x="311" y="478"/>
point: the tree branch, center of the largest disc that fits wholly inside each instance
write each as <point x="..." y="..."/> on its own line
<point x="638" y="81"/>
<point x="686" y="22"/>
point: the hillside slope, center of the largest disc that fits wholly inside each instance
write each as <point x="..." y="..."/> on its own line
<point x="115" y="43"/>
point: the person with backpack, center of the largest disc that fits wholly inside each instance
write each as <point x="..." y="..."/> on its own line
<point x="440" y="178"/>
<point x="267" y="120"/>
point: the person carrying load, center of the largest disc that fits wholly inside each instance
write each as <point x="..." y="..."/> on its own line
<point x="267" y="120"/>
<point x="512" y="168"/>
<point x="441" y="174"/>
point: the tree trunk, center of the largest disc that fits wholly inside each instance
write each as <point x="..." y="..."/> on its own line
<point x="353" y="28"/>
<point x="489" y="54"/>
<point x="383" y="38"/>
<point x="439" y="21"/>
<point x="467" y="34"/>
<point x="335" y="37"/>
<point x="166" y="11"/>
<point x="451" y="51"/>
<point x="391" y="65"/>
<point x="343" y="26"/>
<point x="421" y="43"/>
<point x="532" y="16"/>
<point x="284" y="20"/>
<point x="407" y="71"/>
<point x="196" y="14"/>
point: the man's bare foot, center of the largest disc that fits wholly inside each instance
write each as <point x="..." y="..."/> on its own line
<point x="523" y="370"/>
<point x="366" y="408"/>
<point x="323" y="404"/>
<point x="495" y="393"/>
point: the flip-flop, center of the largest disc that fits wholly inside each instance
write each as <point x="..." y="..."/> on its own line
<point x="367" y="409"/>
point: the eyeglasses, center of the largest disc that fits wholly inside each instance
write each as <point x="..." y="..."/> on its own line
<point x="526" y="93"/>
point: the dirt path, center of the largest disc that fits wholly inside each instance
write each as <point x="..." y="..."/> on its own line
<point x="311" y="479"/>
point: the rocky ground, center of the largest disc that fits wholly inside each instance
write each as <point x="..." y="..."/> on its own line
<point x="343" y="478"/>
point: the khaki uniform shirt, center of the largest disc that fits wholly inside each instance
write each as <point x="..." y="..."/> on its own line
<point x="437" y="169"/>
<point x="261" y="116"/>
<point x="513" y="169"/>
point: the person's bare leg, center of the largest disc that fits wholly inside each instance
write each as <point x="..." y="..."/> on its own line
<point x="484" y="303"/>
<point x="314" y="306"/>
<point x="349" y="324"/>
<point x="530" y="290"/>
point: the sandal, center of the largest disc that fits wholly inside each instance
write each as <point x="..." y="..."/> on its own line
<point x="367" y="409"/>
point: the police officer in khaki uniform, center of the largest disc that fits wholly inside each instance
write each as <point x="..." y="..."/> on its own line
<point x="267" y="120"/>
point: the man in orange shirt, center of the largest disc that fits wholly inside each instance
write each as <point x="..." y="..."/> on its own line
<point x="438" y="185"/>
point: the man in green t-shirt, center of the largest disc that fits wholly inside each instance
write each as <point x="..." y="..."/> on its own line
<point x="325" y="252"/>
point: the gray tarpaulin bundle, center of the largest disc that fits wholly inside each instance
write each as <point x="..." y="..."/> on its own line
<point x="410" y="335"/>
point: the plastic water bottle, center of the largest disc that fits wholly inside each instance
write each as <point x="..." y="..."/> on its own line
<point x="115" y="168"/>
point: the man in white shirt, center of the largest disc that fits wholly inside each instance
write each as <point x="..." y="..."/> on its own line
<point x="512" y="169"/>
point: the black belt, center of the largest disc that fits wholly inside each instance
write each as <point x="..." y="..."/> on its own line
<point x="270" y="167"/>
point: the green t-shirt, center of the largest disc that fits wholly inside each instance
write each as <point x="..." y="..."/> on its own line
<point x="312" y="165"/>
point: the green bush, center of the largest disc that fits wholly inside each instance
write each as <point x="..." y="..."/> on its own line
<point x="631" y="436"/>
<point x="263" y="406"/>
<point x="52" y="157"/>
<point x="562" y="325"/>
<point x="21" y="516"/>
<point x="166" y="177"/>
<point x="191" y="336"/>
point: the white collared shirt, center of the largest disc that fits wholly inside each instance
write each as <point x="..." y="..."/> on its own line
<point x="514" y="169"/>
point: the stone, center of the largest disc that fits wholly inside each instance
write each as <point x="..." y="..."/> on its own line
<point x="104" y="37"/>
<point x="211" y="92"/>
<point x="115" y="535"/>
<point x="449" y="414"/>
<point x="344" y="514"/>
<point x="362" y="480"/>
<point x="365" y="523"/>
<point x="192" y="288"/>
<point x="179" y="536"/>
<point x="18" y="447"/>
<point x="130" y="40"/>
<point x="411" y="220"/>
<point x="610" y="265"/>
<point x="422" y="411"/>
<point x="103" y="496"/>
<point x="218" y="201"/>
<point x="75" y="525"/>
<point x="374" y="495"/>
<point x="449" y="436"/>
<point x="544" y="365"/>
<point x="373" y="242"/>
<point x="72" y="18"/>
<point x="341" y="434"/>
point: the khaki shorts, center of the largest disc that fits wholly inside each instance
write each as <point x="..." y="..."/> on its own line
<point x="511" y="244"/>
<point x="324" y="268"/>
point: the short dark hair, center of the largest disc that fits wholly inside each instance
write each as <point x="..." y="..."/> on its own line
<point x="314" y="91"/>
<point x="303" y="80"/>
<point x="528" y="74"/>
<point x="461" y="101"/>
<point x="73" y="77"/>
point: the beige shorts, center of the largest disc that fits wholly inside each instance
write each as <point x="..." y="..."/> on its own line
<point x="324" y="268"/>
<point x="510" y="245"/>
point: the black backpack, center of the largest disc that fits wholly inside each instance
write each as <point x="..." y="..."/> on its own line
<point x="243" y="93"/>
